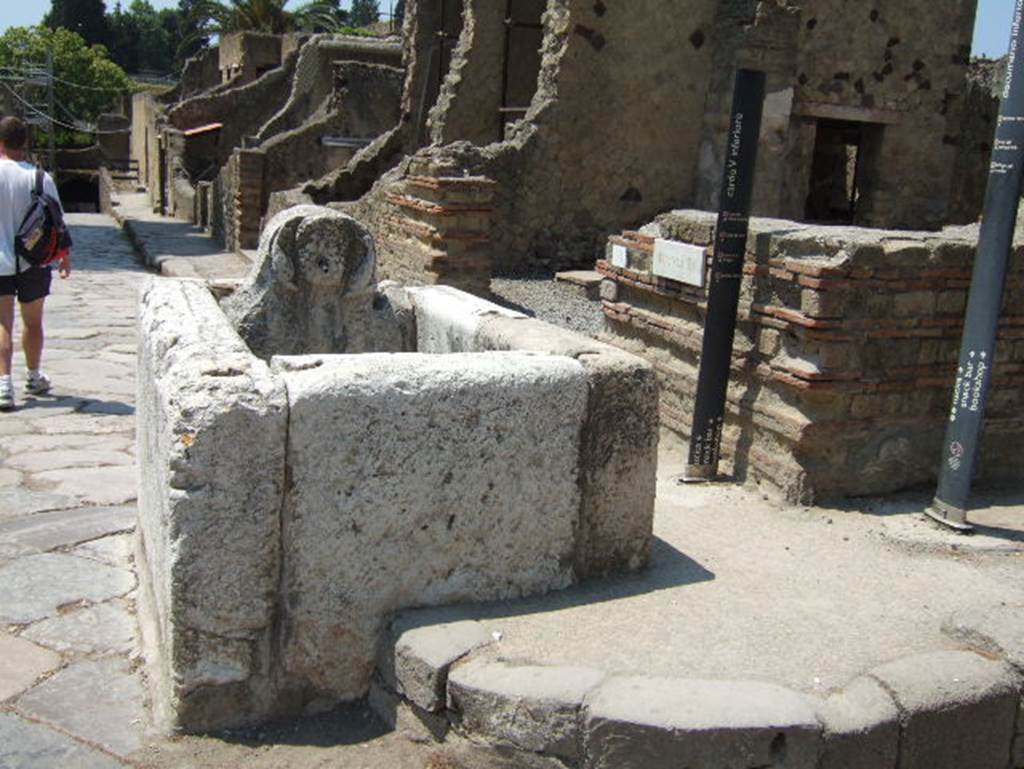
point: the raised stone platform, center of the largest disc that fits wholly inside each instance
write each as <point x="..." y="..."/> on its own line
<point x="845" y="355"/>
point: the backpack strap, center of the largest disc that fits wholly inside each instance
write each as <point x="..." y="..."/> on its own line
<point x="39" y="181"/>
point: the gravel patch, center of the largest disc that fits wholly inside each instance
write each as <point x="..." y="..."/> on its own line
<point x="552" y="301"/>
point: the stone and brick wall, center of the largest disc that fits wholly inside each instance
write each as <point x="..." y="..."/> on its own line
<point x="845" y="353"/>
<point x="245" y="198"/>
<point x="435" y="229"/>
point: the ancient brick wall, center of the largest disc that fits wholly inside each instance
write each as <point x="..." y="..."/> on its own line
<point x="430" y="228"/>
<point x="845" y="355"/>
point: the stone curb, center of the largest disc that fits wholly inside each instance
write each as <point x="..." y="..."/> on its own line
<point x="168" y="266"/>
<point x="940" y="710"/>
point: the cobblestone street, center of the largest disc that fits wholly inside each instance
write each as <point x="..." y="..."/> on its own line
<point x="71" y="688"/>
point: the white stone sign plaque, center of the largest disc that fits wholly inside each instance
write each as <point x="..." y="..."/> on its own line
<point x="679" y="261"/>
<point x="620" y="257"/>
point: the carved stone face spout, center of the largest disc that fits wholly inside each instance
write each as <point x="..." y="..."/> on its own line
<point x="314" y="272"/>
<point x="327" y="252"/>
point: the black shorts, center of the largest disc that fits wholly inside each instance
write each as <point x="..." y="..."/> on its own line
<point x="32" y="284"/>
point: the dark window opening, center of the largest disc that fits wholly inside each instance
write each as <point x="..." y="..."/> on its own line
<point x="838" y="170"/>
<point x="79" y="194"/>
<point x="524" y="34"/>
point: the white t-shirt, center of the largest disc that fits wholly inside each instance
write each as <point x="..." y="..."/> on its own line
<point x="17" y="179"/>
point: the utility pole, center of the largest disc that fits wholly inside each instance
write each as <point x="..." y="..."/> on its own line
<point x="51" y="101"/>
<point x="960" y="448"/>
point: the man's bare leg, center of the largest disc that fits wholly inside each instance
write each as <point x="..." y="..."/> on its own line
<point x="32" y="332"/>
<point x="6" y="334"/>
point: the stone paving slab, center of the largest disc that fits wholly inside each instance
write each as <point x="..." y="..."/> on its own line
<point x="107" y="628"/>
<point x="100" y="701"/>
<point x="22" y="663"/>
<point x="28" y="745"/>
<point x="47" y="531"/>
<point x="17" y="501"/>
<point x="37" y="586"/>
<point x="93" y="485"/>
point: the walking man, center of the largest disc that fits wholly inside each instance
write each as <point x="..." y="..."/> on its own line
<point x="30" y="285"/>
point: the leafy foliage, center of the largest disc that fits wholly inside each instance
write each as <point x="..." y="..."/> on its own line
<point x="87" y="83"/>
<point x="364" y="13"/>
<point x="86" y="17"/>
<point x="218" y="17"/>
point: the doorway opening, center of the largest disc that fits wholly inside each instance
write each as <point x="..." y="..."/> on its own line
<point x="524" y="34"/>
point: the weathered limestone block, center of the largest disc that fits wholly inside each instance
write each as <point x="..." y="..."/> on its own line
<point x="619" y="442"/>
<point x="312" y="284"/>
<point x="862" y="728"/>
<point x="957" y="709"/>
<point x="664" y="723"/>
<point x="211" y="425"/>
<point x="525" y="707"/>
<point x="420" y="480"/>
<point x="415" y="658"/>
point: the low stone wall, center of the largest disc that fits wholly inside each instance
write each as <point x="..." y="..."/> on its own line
<point x="845" y="354"/>
<point x="938" y="710"/>
<point x="414" y="478"/>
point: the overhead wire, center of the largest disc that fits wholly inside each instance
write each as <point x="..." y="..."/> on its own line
<point x="81" y="128"/>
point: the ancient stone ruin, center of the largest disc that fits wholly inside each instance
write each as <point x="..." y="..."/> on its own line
<point x="290" y="503"/>
<point x="503" y="137"/>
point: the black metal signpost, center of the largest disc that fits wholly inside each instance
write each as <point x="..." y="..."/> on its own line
<point x="726" y="274"/>
<point x="988" y="281"/>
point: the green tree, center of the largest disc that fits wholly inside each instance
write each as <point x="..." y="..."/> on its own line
<point x="124" y="39"/>
<point x="218" y="17"/>
<point x="189" y="39"/>
<point x="399" y="13"/>
<point x="87" y="83"/>
<point x="86" y="17"/>
<point x="364" y="13"/>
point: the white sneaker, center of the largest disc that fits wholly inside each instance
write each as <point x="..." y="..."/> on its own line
<point x="6" y="396"/>
<point x="38" y="384"/>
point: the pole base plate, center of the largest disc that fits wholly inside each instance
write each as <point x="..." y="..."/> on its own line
<point x="699" y="474"/>
<point x="949" y="517"/>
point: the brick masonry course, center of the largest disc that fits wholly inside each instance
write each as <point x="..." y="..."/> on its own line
<point x="845" y="353"/>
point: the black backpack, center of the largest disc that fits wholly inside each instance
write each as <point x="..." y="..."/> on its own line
<point x="42" y="237"/>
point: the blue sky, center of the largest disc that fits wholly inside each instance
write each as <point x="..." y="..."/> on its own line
<point x="991" y="37"/>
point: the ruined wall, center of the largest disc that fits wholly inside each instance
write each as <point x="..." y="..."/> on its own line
<point x="902" y="61"/>
<point x="242" y="110"/>
<point x="594" y="152"/>
<point x="981" y="111"/>
<point x="894" y="68"/>
<point x="467" y="107"/>
<point x="147" y="122"/>
<point x="201" y="73"/>
<point x="314" y="79"/>
<point x="245" y="56"/>
<point x="845" y="354"/>
<point x="421" y="61"/>
<point x="365" y="103"/>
